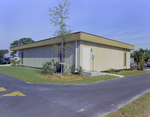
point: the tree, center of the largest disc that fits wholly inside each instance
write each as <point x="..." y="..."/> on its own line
<point x="147" y="55"/>
<point x="136" y="55"/>
<point x="59" y="15"/>
<point x="3" y="52"/>
<point x="141" y="56"/>
<point x="20" y="42"/>
<point x="24" y="41"/>
<point x="13" y="53"/>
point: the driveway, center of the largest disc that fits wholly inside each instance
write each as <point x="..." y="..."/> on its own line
<point x="48" y="100"/>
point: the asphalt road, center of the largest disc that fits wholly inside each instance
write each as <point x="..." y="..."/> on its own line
<point x="47" y="100"/>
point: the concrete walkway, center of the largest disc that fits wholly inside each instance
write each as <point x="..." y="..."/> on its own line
<point x="120" y="76"/>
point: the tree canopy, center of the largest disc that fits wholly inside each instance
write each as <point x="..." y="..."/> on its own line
<point x="21" y="41"/>
<point x="141" y="56"/>
<point x="3" y="52"/>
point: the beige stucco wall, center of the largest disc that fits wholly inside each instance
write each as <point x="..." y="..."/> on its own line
<point x="106" y="57"/>
<point x="36" y="57"/>
<point x="70" y="53"/>
<point x="128" y="58"/>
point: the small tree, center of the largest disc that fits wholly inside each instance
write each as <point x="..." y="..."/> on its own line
<point x="59" y="15"/>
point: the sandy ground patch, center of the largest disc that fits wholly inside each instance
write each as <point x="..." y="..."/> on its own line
<point x="57" y="77"/>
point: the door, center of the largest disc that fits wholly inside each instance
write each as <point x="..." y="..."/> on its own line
<point x="86" y="58"/>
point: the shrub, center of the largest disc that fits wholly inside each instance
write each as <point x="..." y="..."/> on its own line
<point x="51" y="71"/>
<point x="57" y="66"/>
<point x="13" y="63"/>
<point x="112" y="70"/>
<point x="79" y="70"/>
<point x="50" y="67"/>
<point x="45" y="68"/>
<point x="67" y="69"/>
<point x="127" y="69"/>
<point x="117" y="70"/>
<point x="18" y="62"/>
<point x="133" y="66"/>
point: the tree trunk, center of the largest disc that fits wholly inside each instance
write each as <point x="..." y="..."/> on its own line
<point x="143" y="63"/>
<point x="137" y="63"/>
<point x="62" y="58"/>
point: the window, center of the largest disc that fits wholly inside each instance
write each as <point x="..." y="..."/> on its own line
<point x="6" y="59"/>
<point x="22" y="57"/>
<point x="125" y="59"/>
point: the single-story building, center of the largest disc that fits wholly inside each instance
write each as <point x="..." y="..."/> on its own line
<point x="90" y="51"/>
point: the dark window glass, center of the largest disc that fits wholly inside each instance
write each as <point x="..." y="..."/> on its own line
<point x="125" y="59"/>
<point x="6" y="58"/>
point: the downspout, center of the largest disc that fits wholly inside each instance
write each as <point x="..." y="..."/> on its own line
<point x="75" y="55"/>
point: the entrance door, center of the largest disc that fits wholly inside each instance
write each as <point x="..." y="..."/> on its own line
<point x="86" y="58"/>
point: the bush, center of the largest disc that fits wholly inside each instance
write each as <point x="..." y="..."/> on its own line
<point x="45" y="68"/>
<point x="127" y="69"/>
<point x="57" y="66"/>
<point x="18" y="62"/>
<point x="79" y="70"/>
<point x="13" y="62"/>
<point x="67" y="69"/>
<point x="112" y="70"/>
<point x="133" y="66"/>
<point x="51" y="71"/>
<point x="50" y="67"/>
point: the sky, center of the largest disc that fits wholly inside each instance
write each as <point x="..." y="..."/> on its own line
<point x="127" y="21"/>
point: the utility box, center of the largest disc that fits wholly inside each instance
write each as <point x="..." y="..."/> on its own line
<point x="93" y="56"/>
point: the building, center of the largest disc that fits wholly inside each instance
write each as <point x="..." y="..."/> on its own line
<point x="90" y="51"/>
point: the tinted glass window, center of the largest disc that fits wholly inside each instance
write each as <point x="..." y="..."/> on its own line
<point x="6" y="58"/>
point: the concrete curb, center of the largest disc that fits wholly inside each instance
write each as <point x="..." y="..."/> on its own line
<point x="5" y="65"/>
<point x="120" y="76"/>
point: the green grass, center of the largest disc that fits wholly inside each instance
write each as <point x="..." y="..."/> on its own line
<point x="92" y="79"/>
<point x="134" y="72"/>
<point x="30" y="75"/>
<point x="23" y="73"/>
<point x="138" y="108"/>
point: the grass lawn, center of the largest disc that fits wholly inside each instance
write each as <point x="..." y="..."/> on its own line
<point x="138" y="108"/>
<point x="34" y="75"/>
<point x="131" y="73"/>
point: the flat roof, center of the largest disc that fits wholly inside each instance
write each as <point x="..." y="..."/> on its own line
<point x="76" y="36"/>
